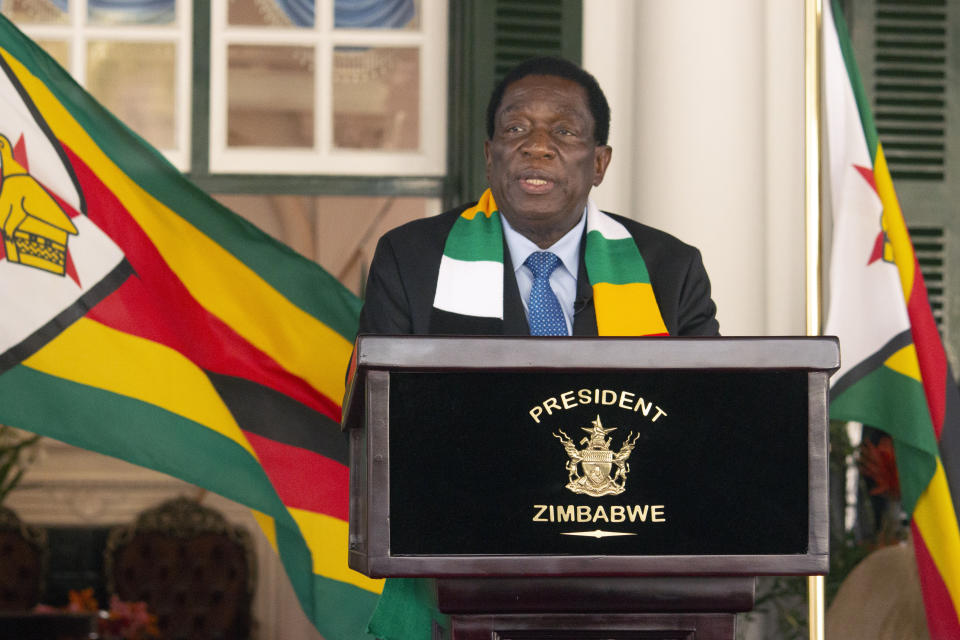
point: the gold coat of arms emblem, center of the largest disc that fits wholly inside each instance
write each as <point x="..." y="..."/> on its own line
<point x="589" y="468"/>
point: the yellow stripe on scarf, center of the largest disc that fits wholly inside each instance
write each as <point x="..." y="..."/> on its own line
<point x="627" y="310"/>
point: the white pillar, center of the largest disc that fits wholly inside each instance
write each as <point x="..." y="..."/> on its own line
<point x="705" y="100"/>
<point x="609" y="44"/>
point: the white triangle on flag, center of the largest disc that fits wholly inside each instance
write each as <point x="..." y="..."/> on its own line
<point x="32" y="293"/>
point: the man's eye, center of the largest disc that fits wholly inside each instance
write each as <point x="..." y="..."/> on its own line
<point x="514" y="128"/>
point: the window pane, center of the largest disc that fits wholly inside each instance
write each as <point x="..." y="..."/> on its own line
<point x="59" y="50"/>
<point x="36" y="11"/>
<point x="376" y="98"/>
<point x="100" y="12"/>
<point x="376" y="14"/>
<point x="271" y="13"/>
<point x="270" y="96"/>
<point x="136" y="81"/>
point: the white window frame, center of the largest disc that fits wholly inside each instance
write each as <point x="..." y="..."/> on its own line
<point x="77" y="33"/>
<point x="431" y="39"/>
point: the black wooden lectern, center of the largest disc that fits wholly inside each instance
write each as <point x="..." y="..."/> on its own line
<point x="589" y="487"/>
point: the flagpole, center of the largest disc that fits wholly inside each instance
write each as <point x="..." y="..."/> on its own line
<point x="811" y="146"/>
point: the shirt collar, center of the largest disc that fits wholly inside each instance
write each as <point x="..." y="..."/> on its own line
<point x="566" y="248"/>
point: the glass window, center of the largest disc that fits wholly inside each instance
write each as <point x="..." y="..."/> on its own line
<point x="34" y="12"/>
<point x="131" y="55"/>
<point x="328" y="87"/>
<point x="376" y="98"/>
<point x="383" y="14"/>
<point x="136" y="81"/>
<point x="102" y="12"/>
<point x="270" y="93"/>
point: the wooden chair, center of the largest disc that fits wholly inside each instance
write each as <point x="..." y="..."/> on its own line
<point x="195" y="571"/>
<point x="24" y="555"/>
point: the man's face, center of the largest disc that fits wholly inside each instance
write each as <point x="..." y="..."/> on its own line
<point x="543" y="159"/>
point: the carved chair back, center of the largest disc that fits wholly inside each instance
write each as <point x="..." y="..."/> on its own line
<point x="24" y="554"/>
<point x="195" y="571"/>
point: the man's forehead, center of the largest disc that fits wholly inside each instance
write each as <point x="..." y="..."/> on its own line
<point x="562" y="94"/>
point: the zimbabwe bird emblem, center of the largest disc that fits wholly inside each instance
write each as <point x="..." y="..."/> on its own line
<point x="33" y="227"/>
<point x="597" y="460"/>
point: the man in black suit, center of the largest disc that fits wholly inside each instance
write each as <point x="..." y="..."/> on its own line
<point x="547" y="128"/>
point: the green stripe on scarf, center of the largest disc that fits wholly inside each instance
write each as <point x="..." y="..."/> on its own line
<point x="477" y="239"/>
<point x="614" y="261"/>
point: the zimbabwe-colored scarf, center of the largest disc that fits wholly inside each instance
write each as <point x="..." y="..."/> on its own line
<point x="470" y="283"/>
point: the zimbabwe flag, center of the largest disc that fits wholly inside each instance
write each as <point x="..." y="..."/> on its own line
<point x="894" y="375"/>
<point x="141" y="319"/>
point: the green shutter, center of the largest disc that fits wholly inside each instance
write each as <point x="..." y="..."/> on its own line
<point x="908" y="55"/>
<point x="487" y="38"/>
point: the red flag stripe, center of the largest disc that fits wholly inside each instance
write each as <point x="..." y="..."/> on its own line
<point x="930" y="353"/>
<point x="941" y="615"/>
<point x="184" y="325"/>
<point x="303" y="479"/>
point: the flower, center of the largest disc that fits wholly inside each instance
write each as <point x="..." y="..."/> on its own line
<point x="82" y="601"/>
<point x="879" y="463"/>
<point x="128" y="620"/>
<point x="123" y="621"/>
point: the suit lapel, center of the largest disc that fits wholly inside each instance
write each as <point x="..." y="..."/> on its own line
<point x="584" y="315"/>
<point x="514" y="317"/>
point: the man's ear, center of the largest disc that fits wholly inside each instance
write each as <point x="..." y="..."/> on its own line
<point x="601" y="160"/>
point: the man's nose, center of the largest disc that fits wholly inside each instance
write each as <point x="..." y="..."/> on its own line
<point x="539" y="143"/>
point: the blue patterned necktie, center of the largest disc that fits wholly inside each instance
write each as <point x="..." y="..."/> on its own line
<point x="543" y="309"/>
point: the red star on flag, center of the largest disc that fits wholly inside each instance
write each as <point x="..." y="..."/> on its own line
<point x="20" y="157"/>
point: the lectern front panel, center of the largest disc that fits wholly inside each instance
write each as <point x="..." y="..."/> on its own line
<point x="618" y="463"/>
<point x="512" y="456"/>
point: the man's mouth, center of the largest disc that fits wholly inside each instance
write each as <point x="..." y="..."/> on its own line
<point x="536" y="185"/>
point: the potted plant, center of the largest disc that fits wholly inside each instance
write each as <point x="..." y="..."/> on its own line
<point x="17" y="451"/>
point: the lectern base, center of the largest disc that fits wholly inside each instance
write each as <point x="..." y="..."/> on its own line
<point x="704" y="626"/>
<point x="665" y="608"/>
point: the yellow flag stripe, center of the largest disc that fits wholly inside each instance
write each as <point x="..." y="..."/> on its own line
<point x="296" y="340"/>
<point x="905" y="362"/>
<point x="936" y="518"/>
<point x="327" y="538"/>
<point x="137" y="368"/>
<point x="268" y="526"/>
<point x="628" y="309"/>
<point x="893" y="223"/>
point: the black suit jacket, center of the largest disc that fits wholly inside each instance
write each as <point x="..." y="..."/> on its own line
<point x="403" y="280"/>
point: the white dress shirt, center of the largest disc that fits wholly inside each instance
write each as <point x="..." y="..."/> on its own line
<point x="563" y="280"/>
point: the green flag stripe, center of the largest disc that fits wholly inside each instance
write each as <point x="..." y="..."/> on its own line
<point x="897" y="405"/>
<point x="856" y="82"/>
<point x="480" y="239"/>
<point x="614" y="261"/>
<point x="337" y="609"/>
<point x="352" y="607"/>
<point x="297" y="278"/>
<point x="137" y="432"/>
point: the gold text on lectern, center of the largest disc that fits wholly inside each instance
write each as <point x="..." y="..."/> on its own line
<point x="629" y="400"/>
<point x="641" y="513"/>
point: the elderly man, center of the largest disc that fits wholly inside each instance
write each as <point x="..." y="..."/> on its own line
<point x="534" y="255"/>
